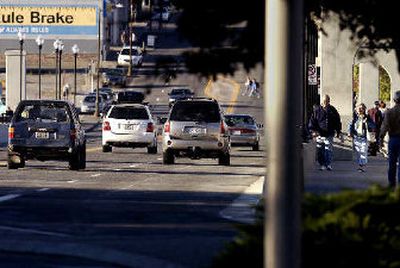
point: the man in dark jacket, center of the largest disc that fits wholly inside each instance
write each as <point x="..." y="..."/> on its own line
<point x="324" y="122"/>
<point x="376" y="115"/>
<point x="391" y="125"/>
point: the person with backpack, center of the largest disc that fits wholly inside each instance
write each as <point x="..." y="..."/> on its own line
<point x="324" y="123"/>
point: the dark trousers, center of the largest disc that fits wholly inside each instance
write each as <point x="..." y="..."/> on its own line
<point x="394" y="154"/>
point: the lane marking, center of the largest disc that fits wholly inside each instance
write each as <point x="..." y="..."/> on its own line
<point x="208" y="88"/>
<point x="236" y="88"/>
<point x="242" y="209"/>
<point x="3" y="163"/>
<point x="43" y="190"/>
<point x="9" y="197"/>
<point x="133" y="166"/>
<point x="95" y="149"/>
<point x="72" y="181"/>
<point x="95" y="175"/>
<point x="32" y="231"/>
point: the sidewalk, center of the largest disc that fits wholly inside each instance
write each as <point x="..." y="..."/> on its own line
<point x="346" y="176"/>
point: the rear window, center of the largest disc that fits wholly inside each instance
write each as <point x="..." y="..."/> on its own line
<point x="196" y="111"/>
<point x="93" y="98"/>
<point x="128" y="113"/>
<point x="135" y="97"/>
<point x="239" y="120"/>
<point x="43" y="113"/>
<point x="126" y="52"/>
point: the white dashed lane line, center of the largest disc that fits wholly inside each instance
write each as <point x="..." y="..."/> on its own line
<point x="9" y="197"/>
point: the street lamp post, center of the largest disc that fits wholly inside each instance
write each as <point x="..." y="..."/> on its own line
<point x="97" y="108"/>
<point x="131" y="19"/>
<point x="21" y="38"/>
<point x="39" y="42"/>
<point x="75" y="50"/>
<point x="56" y="45"/>
<point x="60" y="49"/>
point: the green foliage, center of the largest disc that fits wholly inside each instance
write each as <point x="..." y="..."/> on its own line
<point x="384" y="85"/>
<point x="347" y="229"/>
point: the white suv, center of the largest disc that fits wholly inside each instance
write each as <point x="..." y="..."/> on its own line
<point x="137" y="56"/>
<point x="129" y="125"/>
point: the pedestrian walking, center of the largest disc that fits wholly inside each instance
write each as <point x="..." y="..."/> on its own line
<point x="247" y="86"/>
<point x="359" y="130"/>
<point x="324" y="122"/>
<point x="376" y="116"/>
<point x="391" y="125"/>
<point x="66" y="91"/>
<point x="254" y="86"/>
<point x="382" y="107"/>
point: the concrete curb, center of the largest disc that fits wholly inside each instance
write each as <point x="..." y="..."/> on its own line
<point x="242" y="209"/>
<point x="86" y="251"/>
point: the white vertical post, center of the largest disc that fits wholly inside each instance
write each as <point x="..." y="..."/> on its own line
<point x="283" y="102"/>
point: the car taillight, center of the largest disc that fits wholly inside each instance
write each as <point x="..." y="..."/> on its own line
<point x="11" y="133"/>
<point x="222" y="128"/>
<point x="167" y="127"/>
<point x="73" y="134"/>
<point x="106" y="126"/>
<point x="150" y="127"/>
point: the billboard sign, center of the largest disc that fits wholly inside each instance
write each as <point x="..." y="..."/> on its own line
<point x="48" y="20"/>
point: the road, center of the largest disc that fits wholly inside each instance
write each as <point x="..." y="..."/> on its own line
<point x="127" y="209"/>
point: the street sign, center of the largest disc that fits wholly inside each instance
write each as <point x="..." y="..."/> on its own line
<point x="312" y="75"/>
<point x="151" y="41"/>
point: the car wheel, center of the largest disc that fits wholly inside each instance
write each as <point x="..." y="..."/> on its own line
<point x="152" y="149"/>
<point x="168" y="158"/>
<point x="11" y="163"/>
<point x="224" y="160"/>
<point x="256" y="147"/>
<point x="82" y="160"/>
<point x="107" y="149"/>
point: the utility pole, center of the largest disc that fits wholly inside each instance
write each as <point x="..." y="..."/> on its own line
<point x="284" y="80"/>
<point x="97" y="108"/>
<point x="130" y="36"/>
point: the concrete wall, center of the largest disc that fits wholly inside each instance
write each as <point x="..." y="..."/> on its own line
<point x="369" y="84"/>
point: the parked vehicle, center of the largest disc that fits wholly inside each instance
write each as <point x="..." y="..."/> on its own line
<point x="114" y="77"/>
<point x="137" y="56"/>
<point x="179" y="94"/>
<point x="129" y="125"/>
<point x="243" y="130"/>
<point x="196" y="129"/>
<point x="46" y="130"/>
<point x="89" y="103"/>
<point x="129" y="97"/>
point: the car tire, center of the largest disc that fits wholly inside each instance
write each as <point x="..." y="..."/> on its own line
<point x="224" y="160"/>
<point x="168" y="158"/>
<point x="82" y="160"/>
<point x="256" y="147"/>
<point x="152" y="149"/>
<point x="107" y="149"/>
<point x="75" y="160"/>
<point x="12" y="165"/>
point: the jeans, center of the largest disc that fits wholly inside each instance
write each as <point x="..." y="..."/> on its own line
<point x="324" y="150"/>
<point x="361" y="148"/>
<point x="394" y="153"/>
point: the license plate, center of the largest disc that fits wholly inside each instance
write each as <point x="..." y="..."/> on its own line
<point x="130" y="127"/>
<point x="195" y="130"/>
<point x="236" y="132"/>
<point x="42" y="135"/>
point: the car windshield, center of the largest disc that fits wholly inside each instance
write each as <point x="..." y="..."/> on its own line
<point x="125" y="51"/>
<point x="239" y="120"/>
<point x="129" y="113"/>
<point x="114" y="72"/>
<point x="44" y="112"/>
<point x="198" y="111"/>
<point x="180" y="91"/>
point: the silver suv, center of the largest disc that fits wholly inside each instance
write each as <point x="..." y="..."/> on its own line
<point x="196" y="129"/>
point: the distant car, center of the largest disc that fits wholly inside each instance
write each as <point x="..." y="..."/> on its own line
<point x="179" y="94"/>
<point x="243" y="130"/>
<point x="196" y="129"/>
<point x="89" y="103"/>
<point x="165" y="14"/>
<point x="129" y="97"/>
<point x="114" y="77"/>
<point x="137" y="56"/>
<point x="46" y="130"/>
<point x="129" y="125"/>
